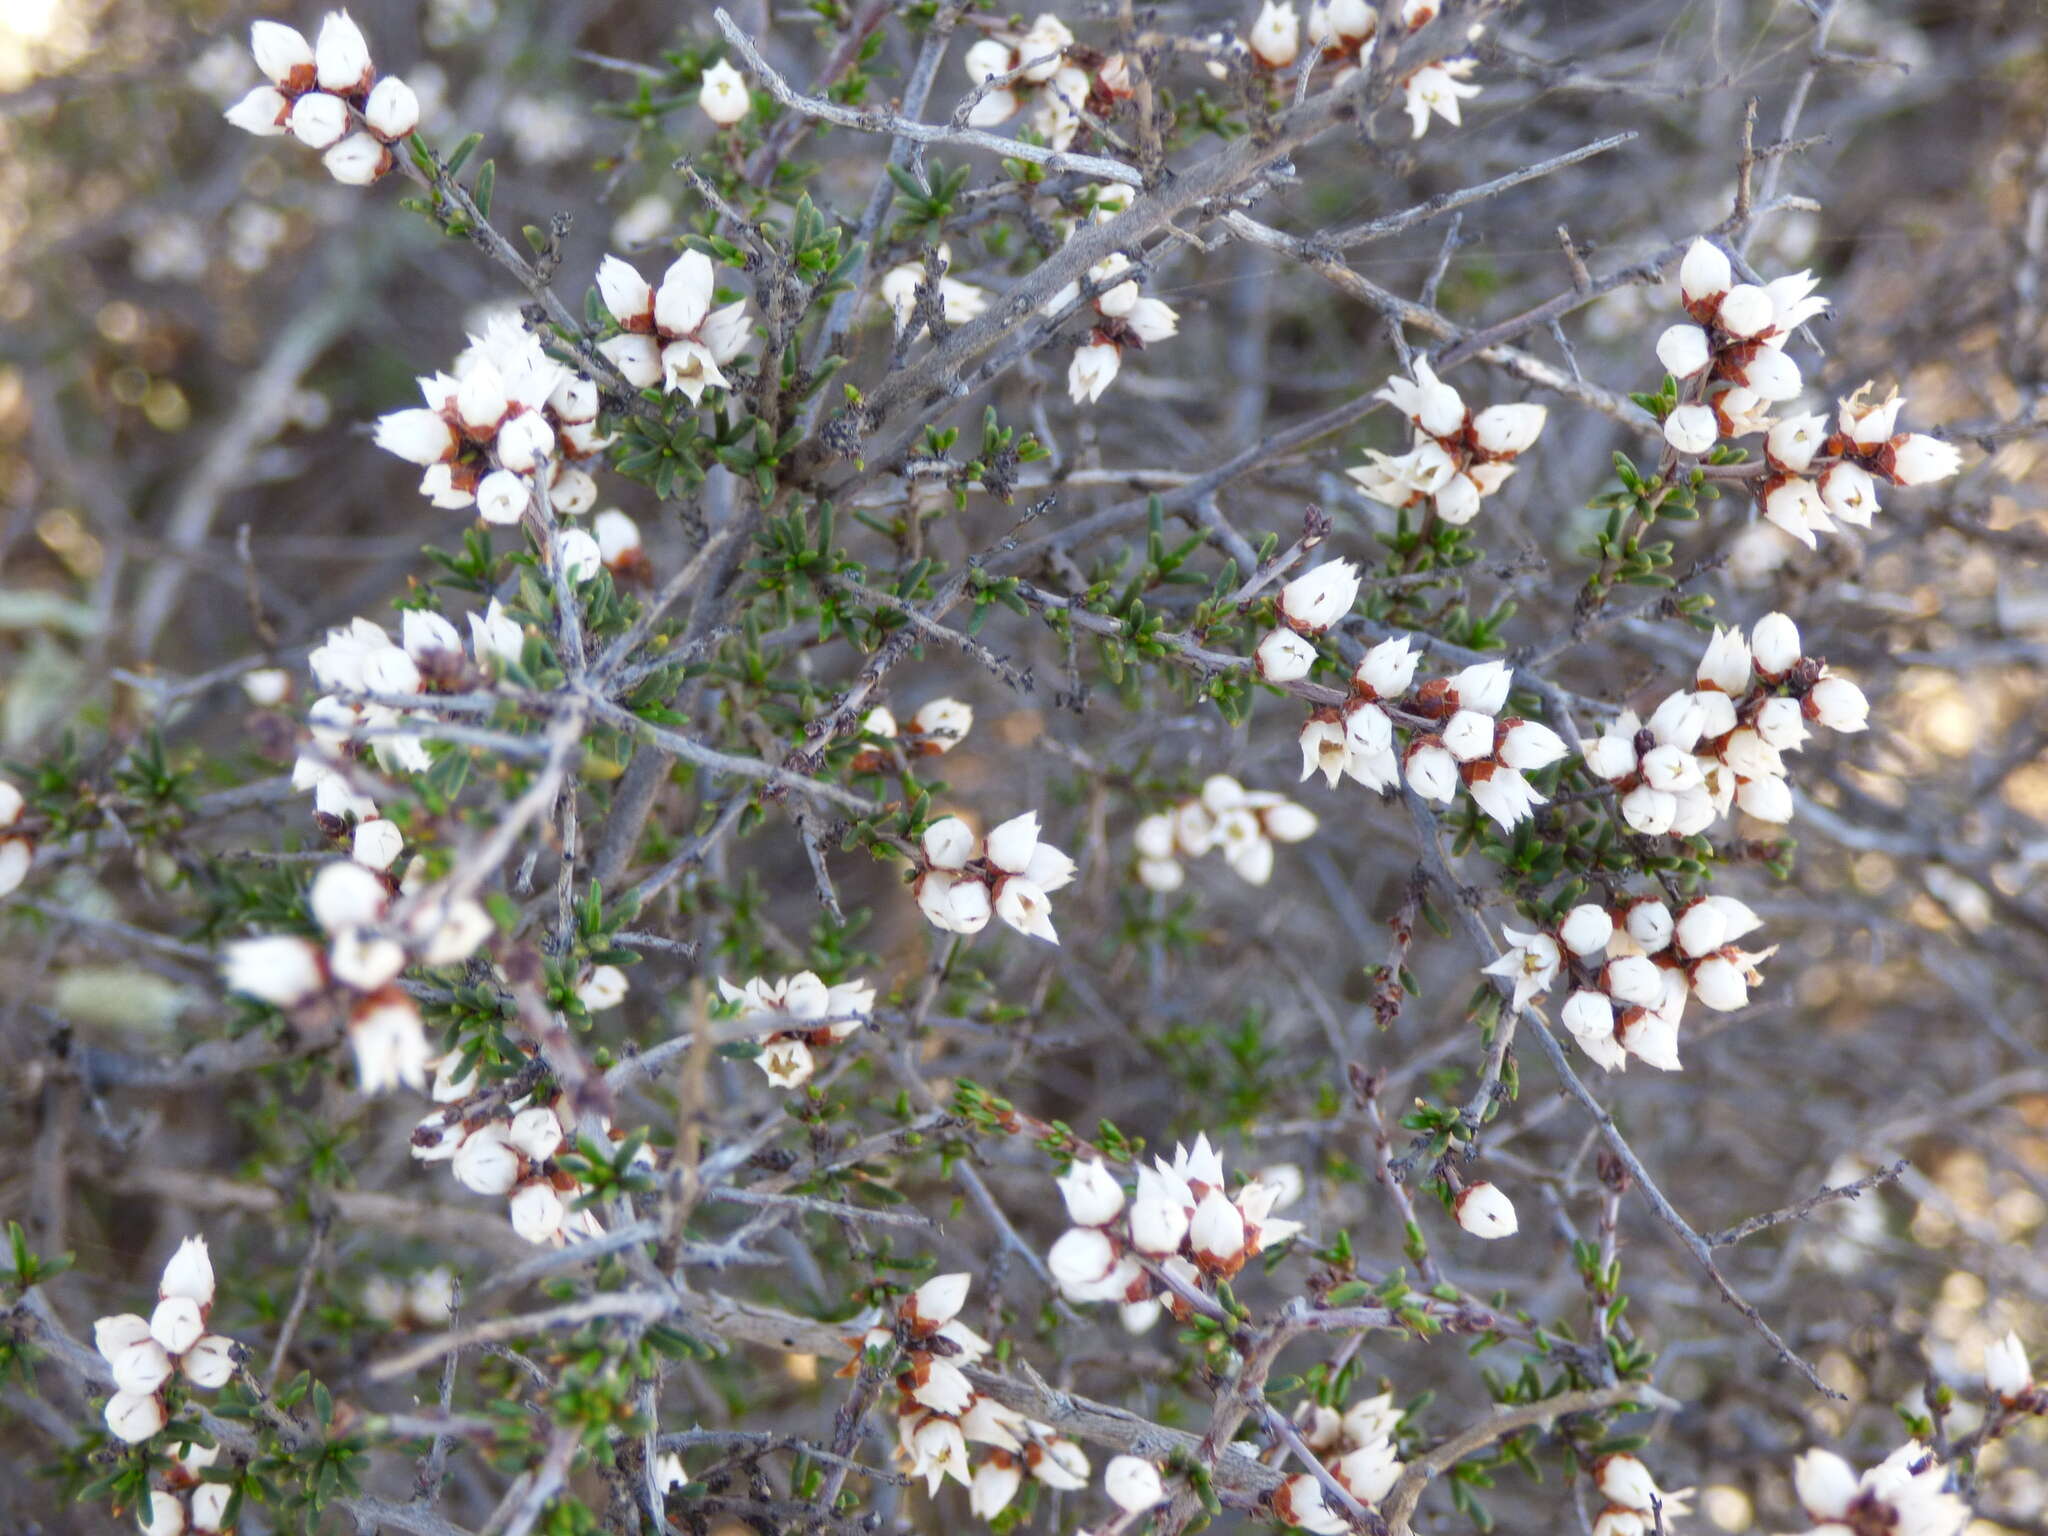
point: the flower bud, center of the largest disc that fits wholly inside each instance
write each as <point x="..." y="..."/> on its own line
<point x="1586" y="929"/>
<point x="417" y="436"/>
<point x="1092" y="1195"/>
<point x="724" y="98"/>
<point x="141" y="1367"/>
<point x="1824" y="1484"/>
<point x="189" y="1273"/>
<point x="1651" y="1036"/>
<point x="1010" y="846"/>
<point x="1649" y="810"/>
<point x="1388" y="669"/>
<point x="1774" y="644"/>
<point x="1484" y="1211"/>
<point x="1692" y="428"/>
<point x="1508" y="429"/>
<point x="1468" y="735"/>
<point x="210" y="1362"/>
<point x="1092" y="371"/>
<point x="1839" y="704"/>
<point x="341" y="55"/>
<point x="1132" y="1483"/>
<point x="263" y="112"/>
<point x="1922" y="460"/>
<point x="282" y="54"/>
<point x="1080" y="1260"/>
<point x="177" y="1324"/>
<point x="346" y="895"/>
<point x="278" y="969"/>
<point x="1745" y="310"/>
<point x="1684" y="351"/>
<point x="536" y="1211"/>
<point x="161" y="1514"/>
<point x="1650" y="924"/>
<point x="1719" y="984"/>
<point x="1768" y="799"/>
<point x="1705" y="273"/>
<point x="1432" y="771"/>
<point x="393" y="111"/>
<point x="1284" y="657"/>
<point x="134" y="1416"/>
<point x="1320" y="598"/>
<point x="2006" y="1372"/>
<point x="377" y="844"/>
<point x="487" y="1163"/>
<point x="1484" y="686"/>
<point x="502" y="497"/>
<point x="318" y="120"/>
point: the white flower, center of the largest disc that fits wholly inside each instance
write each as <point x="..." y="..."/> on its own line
<point x="724" y="98"/>
<point x="1483" y="686"/>
<point x="1159" y="1214"/>
<point x="393" y="110"/>
<point x="346" y="895"/>
<point x="209" y="1364"/>
<point x="1745" y="309"/>
<point x="1792" y="442"/>
<point x="1770" y="375"/>
<point x="1437" y="88"/>
<point x="1484" y="1211"/>
<point x="1612" y="754"/>
<point x="1300" y="1502"/>
<point x="487" y="1163"/>
<point x="1010" y="846"/>
<point x="1284" y="657"/>
<point x="1432" y="772"/>
<point x="536" y="1211"/>
<point x="995" y="1484"/>
<point x="357" y="160"/>
<point x="1532" y="961"/>
<point x="1388" y="669"/>
<point x="495" y="635"/>
<point x="1651" y="1036"/>
<point x="1092" y="371"/>
<point x="1427" y="401"/>
<point x="955" y="905"/>
<point x="1132" y="1483"/>
<point x="1684" y="351"/>
<point x="1080" y="1260"/>
<point x="1025" y="908"/>
<point x="1508" y="429"/>
<point x="1767" y="799"/>
<point x="1921" y="460"/>
<point x="1217" y="1232"/>
<point x="1060" y="1464"/>
<point x="282" y="54"/>
<point x="377" y="844"/>
<point x="1586" y="929"/>
<point x="1692" y="428"/>
<point x="390" y="1046"/>
<point x="1321" y="597"/>
<point x="1151" y="320"/>
<point x="161" y="1515"/>
<point x="2006" y="1372"/>
<point x="1823" y="1483"/>
<point x="1775" y="645"/>
<point x="1504" y="795"/>
<point x="1705" y="273"/>
<point x="134" y="1416"/>
<point x="1650" y="924"/>
<point x="1288" y="822"/>
<point x="1468" y="735"/>
<point x="938" y="1451"/>
<point x="1839" y="704"/>
<point x="277" y="969"/>
<point x="318" y="120"/>
<point x="262" y="112"/>
<point x="502" y="497"/>
<point x="1849" y="493"/>
<point x="341" y="56"/>
<point x="578" y="555"/>
<point x="1092" y="1195"/>
<point x="189" y="1274"/>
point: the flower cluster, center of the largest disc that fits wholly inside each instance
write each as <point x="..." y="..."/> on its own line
<point x="938" y="1412"/>
<point x="1455" y="732"/>
<point x="185" y="1503"/>
<point x="1241" y="824"/>
<point x="937" y="728"/>
<point x="506" y="1150"/>
<point x="17" y="851"/>
<point x="145" y="1352"/>
<point x="328" y="97"/>
<point x="963" y="880"/>
<point x="508" y="412"/>
<point x="1632" y="970"/>
<point x="1356" y="1448"/>
<point x="806" y="1015"/>
<point x="671" y="336"/>
<point x="1731" y="360"/>
<point x="360" y="963"/>
<point x="1124" y="317"/>
<point x="1177" y="1232"/>
<point x="1906" y="1494"/>
<point x="1636" y="1506"/>
<point x="1722" y="744"/>
<point x="1054" y="80"/>
<point x="958" y="302"/>
<point x="1458" y="457"/>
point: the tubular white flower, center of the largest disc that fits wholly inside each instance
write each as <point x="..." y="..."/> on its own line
<point x="578" y="555"/>
<point x="318" y="120"/>
<point x="393" y="110"/>
<point x="1775" y="645"/>
<point x="1588" y="1015"/>
<point x="1159" y="1215"/>
<point x="1612" y="756"/>
<point x="1692" y="428"/>
<point x="341" y="55"/>
<point x="1484" y="1211"/>
<point x="263" y="112"/>
<point x="1719" y="984"/>
<point x="949" y="843"/>
<point x="1705" y="273"/>
<point x="1388" y="669"/>
<point x="684" y="297"/>
<point x="377" y="844"/>
<point x="278" y="969"/>
<point x="1648" y="810"/>
<point x="189" y="1274"/>
<point x="1484" y="686"/>
<point x="1284" y="657"/>
<point x="1431" y="771"/>
<point x="724" y="98"/>
<point x="1457" y="500"/>
<point x="134" y="1416"/>
<point x="1132" y="1483"/>
<point x="503" y="497"/>
<point x="177" y="1324"/>
<point x="1651" y="1036"/>
<point x="638" y="359"/>
<point x="161" y="1514"/>
<point x="2006" y="1371"/>
<point x="1771" y="375"/>
<point x="357" y="160"/>
<point x="1321" y="597"/>
<point x="536" y="1211"/>
<point x="1011" y="845"/>
<point x="1768" y="799"/>
<point x="1025" y="908"/>
<point x="1092" y="371"/>
<point x="995" y="1485"/>
<point x="1529" y="745"/>
<point x="487" y="1163"/>
<point x="346" y="895"/>
<point x="1437" y="88"/>
<point x="418" y="437"/>
<point x="1586" y="929"/>
<point x="939" y="1300"/>
<point x="1080" y="1259"/>
<point x="1921" y="460"/>
<point x="1839" y="704"/>
<point x="1217" y="1233"/>
<point x="1849" y="493"/>
<point x="1368" y="729"/>
<point x="141" y="1367"/>
<point x="1093" y="1196"/>
<point x="1288" y="822"/>
<point x="524" y="441"/>
<point x="1684" y="350"/>
<point x="1745" y="310"/>
<point x="1468" y="735"/>
<point x="1505" y="796"/>
<point x="1509" y="429"/>
<point x="1793" y="441"/>
<point x="282" y="54"/>
<point x="1650" y="924"/>
<point x="1702" y="929"/>
<point x="1824" y="1484"/>
<point x="1725" y="665"/>
<point x="1633" y="979"/>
